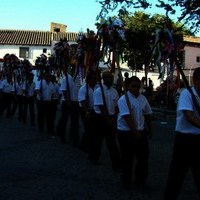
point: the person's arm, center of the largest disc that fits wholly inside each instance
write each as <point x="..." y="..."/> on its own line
<point x="192" y="118"/>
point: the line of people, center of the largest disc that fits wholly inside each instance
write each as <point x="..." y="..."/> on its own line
<point x="124" y="122"/>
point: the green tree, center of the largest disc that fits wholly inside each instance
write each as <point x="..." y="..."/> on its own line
<point x="190" y="9"/>
<point x="140" y="37"/>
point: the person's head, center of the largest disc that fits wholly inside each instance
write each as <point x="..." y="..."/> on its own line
<point x="134" y="85"/>
<point x="47" y="77"/>
<point x="91" y="78"/>
<point x="53" y="78"/>
<point x="126" y="74"/>
<point x="108" y="78"/>
<point x="196" y="78"/>
<point x="30" y="77"/>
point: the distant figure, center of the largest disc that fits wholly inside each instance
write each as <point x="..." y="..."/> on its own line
<point x="126" y="76"/>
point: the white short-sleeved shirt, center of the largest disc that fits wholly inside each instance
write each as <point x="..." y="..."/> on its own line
<point x="6" y="87"/>
<point x="18" y="88"/>
<point x="77" y="82"/>
<point x="139" y="107"/>
<point x="46" y="88"/>
<point x="63" y="86"/>
<point x="111" y="97"/>
<point x="186" y="103"/>
<point x="30" y="88"/>
<point x="83" y="93"/>
<point x="56" y="92"/>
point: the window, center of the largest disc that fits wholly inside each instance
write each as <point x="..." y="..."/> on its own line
<point x="57" y="30"/>
<point x="198" y="59"/>
<point x="44" y="50"/>
<point x="24" y="52"/>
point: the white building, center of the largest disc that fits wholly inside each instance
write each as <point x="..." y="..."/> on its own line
<point x="31" y="44"/>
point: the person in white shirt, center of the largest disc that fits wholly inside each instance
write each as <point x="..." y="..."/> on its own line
<point x="75" y="111"/>
<point x="86" y="102"/>
<point x="17" y="91"/>
<point x="55" y="99"/>
<point x="66" y="88"/>
<point x="105" y="107"/>
<point x="186" y="149"/>
<point x="6" y="91"/>
<point x="29" y="98"/>
<point x="45" y="90"/>
<point x="134" y="113"/>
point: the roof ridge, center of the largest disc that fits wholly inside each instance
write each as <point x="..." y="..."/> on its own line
<point x="20" y="30"/>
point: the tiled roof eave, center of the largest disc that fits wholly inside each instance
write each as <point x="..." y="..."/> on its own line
<point x="25" y="44"/>
<point x="33" y="38"/>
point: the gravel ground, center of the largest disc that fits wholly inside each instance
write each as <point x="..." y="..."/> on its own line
<point x="34" y="166"/>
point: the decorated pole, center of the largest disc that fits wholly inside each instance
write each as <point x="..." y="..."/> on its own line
<point x="117" y="38"/>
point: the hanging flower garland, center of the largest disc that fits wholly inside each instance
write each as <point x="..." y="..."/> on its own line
<point x="62" y="54"/>
<point x="112" y="34"/>
<point x="41" y="62"/>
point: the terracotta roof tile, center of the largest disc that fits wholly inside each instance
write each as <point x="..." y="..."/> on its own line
<point x="25" y="37"/>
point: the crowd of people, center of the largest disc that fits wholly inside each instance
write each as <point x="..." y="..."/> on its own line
<point x="96" y="103"/>
<point x="123" y="120"/>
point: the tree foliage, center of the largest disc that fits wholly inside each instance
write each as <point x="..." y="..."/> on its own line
<point x="140" y="31"/>
<point x="190" y="9"/>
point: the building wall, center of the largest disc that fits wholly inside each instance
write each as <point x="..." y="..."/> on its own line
<point x="191" y="53"/>
<point x="34" y="51"/>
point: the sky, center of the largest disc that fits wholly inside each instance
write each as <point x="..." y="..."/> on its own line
<point x="78" y="15"/>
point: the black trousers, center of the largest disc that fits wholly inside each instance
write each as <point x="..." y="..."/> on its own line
<point x="62" y="123"/>
<point x="75" y="119"/>
<point x="103" y="130"/>
<point x="185" y="156"/>
<point x="89" y="128"/>
<point x="29" y="104"/>
<point x="45" y="113"/>
<point x="7" y="99"/>
<point x="18" y="101"/>
<point x="132" y="148"/>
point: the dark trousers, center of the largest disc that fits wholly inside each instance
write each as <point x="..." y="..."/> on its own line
<point x="18" y="101"/>
<point x="54" y="112"/>
<point x="132" y="148"/>
<point x="7" y="99"/>
<point x="89" y="128"/>
<point x="29" y="104"/>
<point x="65" y="115"/>
<point x="186" y="153"/>
<point x="75" y="119"/>
<point x="103" y="130"/>
<point x="45" y="116"/>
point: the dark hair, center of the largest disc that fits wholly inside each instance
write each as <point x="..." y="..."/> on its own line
<point x="126" y="74"/>
<point x="196" y="74"/>
<point x="132" y="79"/>
<point x="91" y="75"/>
